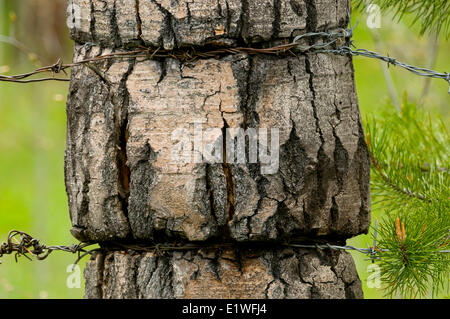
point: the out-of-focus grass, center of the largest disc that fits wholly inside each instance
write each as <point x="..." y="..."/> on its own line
<point x="32" y="142"/>
<point x="32" y="194"/>
<point x="403" y="42"/>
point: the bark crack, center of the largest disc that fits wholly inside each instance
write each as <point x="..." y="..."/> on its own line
<point x="243" y="20"/>
<point x="168" y="26"/>
<point x="276" y="18"/>
<point x="115" y="26"/>
<point x="124" y="173"/>
<point x="248" y="102"/>
<point x="228" y="16"/>
<point x="322" y="158"/>
<point x="163" y="66"/>
<point x="229" y="179"/>
<point x="92" y="21"/>
<point x="311" y="15"/>
<point x="138" y="21"/>
<point x="188" y="13"/>
<point x="210" y="193"/>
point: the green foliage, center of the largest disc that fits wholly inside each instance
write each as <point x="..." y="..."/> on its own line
<point x="410" y="182"/>
<point x="413" y="263"/>
<point x="432" y="14"/>
<point x="410" y="156"/>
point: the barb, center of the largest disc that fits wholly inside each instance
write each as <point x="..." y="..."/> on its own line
<point x="22" y="244"/>
<point x="346" y="50"/>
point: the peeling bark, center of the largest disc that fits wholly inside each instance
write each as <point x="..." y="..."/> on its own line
<point x="122" y="181"/>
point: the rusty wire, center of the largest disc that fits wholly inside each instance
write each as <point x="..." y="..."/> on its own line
<point x="23" y="244"/>
<point x="338" y="43"/>
<point x="187" y="55"/>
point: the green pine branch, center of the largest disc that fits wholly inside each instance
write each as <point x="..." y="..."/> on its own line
<point x="412" y="262"/>
<point x="410" y="183"/>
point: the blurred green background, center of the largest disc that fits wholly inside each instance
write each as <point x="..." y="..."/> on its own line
<point x="33" y="33"/>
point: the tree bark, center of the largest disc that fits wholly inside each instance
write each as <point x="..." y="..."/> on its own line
<point x="123" y="185"/>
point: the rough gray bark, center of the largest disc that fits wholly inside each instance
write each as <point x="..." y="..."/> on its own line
<point x="122" y="184"/>
<point x="244" y="273"/>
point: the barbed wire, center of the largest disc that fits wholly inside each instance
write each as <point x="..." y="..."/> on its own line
<point x="26" y="244"/>
<point x="338" y="43"/>
<point x="23" y="244"/>
<point x="346" y="50"/>
<point x="186" y="55"/>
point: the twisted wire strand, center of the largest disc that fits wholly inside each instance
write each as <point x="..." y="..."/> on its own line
<point x="23" y="244"/>
<point x="346" y="50"/>
<point x="338" y="43"/>
<point x="188" y="55"/>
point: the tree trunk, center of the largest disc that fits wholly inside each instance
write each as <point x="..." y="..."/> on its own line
<point x="124" y="186"/>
